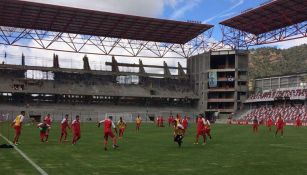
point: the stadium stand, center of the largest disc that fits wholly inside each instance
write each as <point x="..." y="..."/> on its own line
<point x="291" y="93"/>
<point x="289" y="112"/>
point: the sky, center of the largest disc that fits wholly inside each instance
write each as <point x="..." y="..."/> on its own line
<point x="205" y="11"/>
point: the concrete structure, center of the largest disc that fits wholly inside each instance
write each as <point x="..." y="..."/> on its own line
<point x="230" y="88"/>
<point x="98" y="93"/>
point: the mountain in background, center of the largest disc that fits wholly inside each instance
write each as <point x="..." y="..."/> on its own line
<point x="270" y="61"/>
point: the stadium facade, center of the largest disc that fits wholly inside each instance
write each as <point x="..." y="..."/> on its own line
<point x="96" y="93"/>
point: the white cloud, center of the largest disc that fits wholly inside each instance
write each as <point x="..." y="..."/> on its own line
<point x="290" y="43"/>
<point x="236" y="4"/>
<point x="189" y="5"/>
<point x="149" y="8"/>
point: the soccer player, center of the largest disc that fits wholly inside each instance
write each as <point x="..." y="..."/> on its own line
<point x="170" y="120"/>
<point x="269" y="123"/>
<point x="280" y="126"/>
<point x="178" y="119"/>
<point x="207" y="128"/>
<point x="178" y="133"/>
<point x="255" y="124"/>
<point x="108" y="125"/>
<point x="138" y="122"/>
<point x="298" y="122"/>
<point x="17" y="125"/>
<point x="185" y="123"/>
<point x="121" y="124"/>
<point x="48" y="120"/>
<point x="200" y="129"/>
<point x="75" y="126"/>
<point x="64" y="126"/>
<point x="43" y="127"/>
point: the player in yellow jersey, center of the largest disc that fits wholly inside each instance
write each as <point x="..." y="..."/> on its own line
<point x="17" y="125"/>
<point x="121" y="124"/>
<point x="178" y="133"/>
<point x="138" y="122"/>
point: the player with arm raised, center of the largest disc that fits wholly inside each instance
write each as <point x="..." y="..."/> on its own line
<point x="108" y="125"/>
<point x="17" y="125"/>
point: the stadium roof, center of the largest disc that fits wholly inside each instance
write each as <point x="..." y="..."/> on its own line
<point x="270" y="16"/>
<point x="30" y="15"/>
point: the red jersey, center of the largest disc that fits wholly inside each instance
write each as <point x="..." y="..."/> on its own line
<point x="185" y="123"/>
<point x="269" y="122"/>
<point x="75" y="125"/>
<point x="200" y="124"/>
<point x="48" y="120"/>
<point x="280" y="122"/>
<point x="64" y="123"/>
<point x="108" y="125"/>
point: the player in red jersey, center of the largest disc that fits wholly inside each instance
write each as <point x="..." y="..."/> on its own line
<point x="158" y="121"/>
<point x="170" y="120"/>
<point x="255" y="124"/>
<point x="185" y="123"/>
<point x="108" y="125"/>
<point x="64" y="126"/>
<point x="48" y="121"/>
<point x="200" y="129"/>
<point x="298" y="122"/>
<point x="43" y="127"/>
<point x="75" y="126"/>
<point x="280" y="126"/>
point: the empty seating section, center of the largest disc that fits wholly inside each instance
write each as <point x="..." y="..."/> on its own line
<point x="277" y="94"/>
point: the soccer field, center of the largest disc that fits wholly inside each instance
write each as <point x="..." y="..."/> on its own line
<point x="233" y="150"/>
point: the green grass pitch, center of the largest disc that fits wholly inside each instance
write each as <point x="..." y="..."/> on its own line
<point x="233" y="150"/>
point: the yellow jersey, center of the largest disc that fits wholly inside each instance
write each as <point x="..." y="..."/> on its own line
<point x="18" y="120"/>
<point x="121" y="125"/>
<point x="138" y="120"/>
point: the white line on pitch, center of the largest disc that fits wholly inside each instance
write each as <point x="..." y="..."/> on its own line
<point x="39" y="169"/>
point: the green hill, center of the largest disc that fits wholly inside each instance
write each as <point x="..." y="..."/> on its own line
<point x="272" y="61"/>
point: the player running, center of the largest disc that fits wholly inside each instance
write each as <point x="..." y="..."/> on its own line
<point x="43" y="127"/>
<point x="75" y="126"/>
<point x="17" y="125"/>
<point x="64" y="126"/>
<point x="121" y="125"/>
<point x="178" y="133"/>
<point x="200" y="129"/>
<point x="185" y="123"/>
<point x="48" y="120"/>
<point x="280" y="126"/>
<point x="138" y="122"/>
<point x="108" y="125"/>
